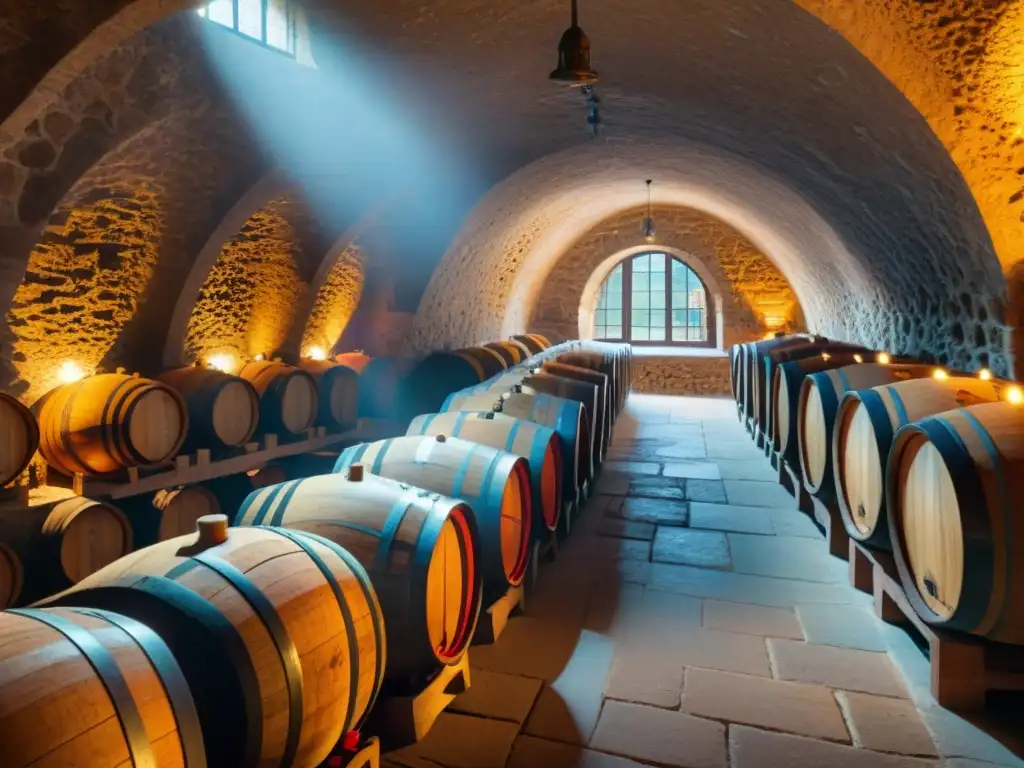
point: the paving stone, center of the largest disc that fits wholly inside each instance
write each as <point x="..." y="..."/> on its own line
<point x="625" y="529"/>
<point x="810" y="710"/>
<point x="531" y="752"/>
<point x="752" y="619"/>
<point x="498" y="696"/>
<point x="754" y="748"/>
<point x="744" y="588"/>
<point x="655" y="735"/>
<point x="792" y="522"/>
<point x="683" y="450"/>
<point x="657" y="619"/>
<point x="755" y="493"/>
<point x="747" y="469"/>
<point x="842" y="625"/>
<point x="725" y="651"/>
<point x="738" y="448"/>
<point x="885" y="724"/>
<point x="710" y="491"/>
<point x="725" y="517"/>
<point x="660" y="511"/>
<point x="956" y="737"/>
<point x="616" y="548"/>
<point x="640" y="676"/>
<point x="656" y="487"/>
<point x="844" y="668"/>
<point x="568" y="708"/>
<point x="684" y="546"/>
<point x="530" y="646"/>
<point x="786" y="557"/>
<point x="633" y="467"/>
<point x="703" y="470"/>
<point x="612" y="483"/>
<point x="463" y="741"/>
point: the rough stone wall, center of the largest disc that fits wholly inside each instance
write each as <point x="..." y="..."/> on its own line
<point x="336" y="301"/>
<point x="673" y="375"/>
<point x="752" y="287"/>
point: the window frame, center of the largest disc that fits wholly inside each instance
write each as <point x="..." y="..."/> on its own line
<point x="709" y="341"/>
<point x="290" y="19"/>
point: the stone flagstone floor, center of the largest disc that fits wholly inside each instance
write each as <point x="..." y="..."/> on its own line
<point x="695" y="619"/>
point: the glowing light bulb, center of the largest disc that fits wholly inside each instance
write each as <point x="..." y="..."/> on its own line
<point x="70" y="372"/>
<point x="316" y="353"/>
<point x="985" y="374"/>
<point x="258" y="357"/>
<point x="1014" y="396"/>
<point x="826" y="356"/>
<point x="222" y="362"/>
<point x="858" y="358"/>
<point x="940" y="374"/>
<point x="883" y="358"/>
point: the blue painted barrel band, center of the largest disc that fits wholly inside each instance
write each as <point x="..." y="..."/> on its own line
<point x="286" y="498"/>
<point x="390" y="529"/>
<point x="382" y="451"/>
<point x="512" y="435"/>
<point x="899" y="405"/>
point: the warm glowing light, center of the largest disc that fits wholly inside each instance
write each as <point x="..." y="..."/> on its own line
<point x="858" y="359"/>
<point x="774" y="321"/>
<point x="1014" y="395"/>
<point x="316" y="353"/>
<point x="70" y="372"/>
<point x="825" y="356"/>
<point x="222" y="362"/>
<point x="883" y="358"/>
<point x="985" y="374"/>
<point x="768" y="336"/>
<point x="940" y="374"/>
<point x="258" y="357"/>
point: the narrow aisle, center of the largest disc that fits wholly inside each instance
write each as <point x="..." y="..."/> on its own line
<point x="695" y="619"/>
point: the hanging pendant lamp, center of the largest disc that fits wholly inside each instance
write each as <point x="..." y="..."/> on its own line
<point x="649" y="231"/>
<point x="574" y="56"/>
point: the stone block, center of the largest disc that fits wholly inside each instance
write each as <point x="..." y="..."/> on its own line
<point x="658" y="511"/>
<point x="633" y="467"/>
<point x="690" y="449"/>
<point x="643" y="677"/>
<point x="747" y="469"/>
<point x="786" y="557"/>
<point x="625" y="529"/>
<point x="841" y="625"/>
<point x="886" y="724"/>
<point x="710" y="491"/>
<point x="725" y="651"/>
<point x="726" y="517"/>
<point x="752" y="619"/>
<point x="702" y="470"/>
<point x="843" y="668"/>
<point x="754" y="748"/>
<point x="498" y="696"/>
<point x="810" y="710"/>
<point x="790" y="521"/>
<point x="657" y="736"/>
<point x="744" y="588"/>
<point x="612" y="483"/>
<point x="755" y="493"/>
<point x="685" y="546"/>
<point x="462" y="741"/>
<point x="531" y="752"/>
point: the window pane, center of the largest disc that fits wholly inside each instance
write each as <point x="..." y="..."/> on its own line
<point x="695" y="317"/>
<point x="642" y="263"/>
<point x="613" y="316"/>
<point x="278" y="29"/>
<point x="696" y="334"/>
<point x="614" y="332"/>
<point x="616" y="277"/>
<point x="658" y="334"/>
<point x="657" y="261"/>
<point x="679" y="317"/>
<point x="657" y="318"/>
<point x="679" y="299"/>
<point x="641" y="282"/>
<point x="250" y="18"/>
<point x="678" y="333"/>
<point x="640" y="334"/>
<point x="599" y="317"/>
<point x="658" y="299"/>
<point x="641" y="318"/>
<point x="641" y="300"/>
<point x="658" y="280"/>
<point x="222" y="12"/>
<point x="614" y="300"/>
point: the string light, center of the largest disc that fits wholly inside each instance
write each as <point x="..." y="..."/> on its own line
<point x="1014" y="396"/>
<point x="70" y="372"/>
<point x="258" y="357"/>
<point x="316" y="353"/>
<point x="858" y="359"/>
<point x="825" y="356"/>
<point x="940" y="374"/>
<point x="222" y="362"/>
<point x="883" y="358"/>
<point x="985" y="374"/>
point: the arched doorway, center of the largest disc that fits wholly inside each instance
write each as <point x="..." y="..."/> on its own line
<point x="654" y="297"/>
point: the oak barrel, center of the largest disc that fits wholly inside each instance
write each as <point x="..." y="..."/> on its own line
<point x="382" y="388"/>
<point x="520" y="352"/>
<point x="12" y="576"/>
<point x="816" y="412"/>
<point x="495" y="484"/>
<point x="539" y="445"/>
<point x="420" y="549"/>
<point x="278" y="633"/>
<point x="954" y="484"/>
<point x="61" y="544"/>
<point x="865" y="423"/>
<point x="509" y="355"/>
<point x="223" y="410"/>
<point x="532" y="341"/>
<point x="607" y="364"/>
<point x="84" y="687"/>
<point x="567" y="417"/>
<point x="19" y="438"/>
<point x="288" y="396"/>
<point x="583" y="393"/>
<point x="108" y="422"/>
<point x="168" y="514"/>
<point x="337" y="394"/>
<point x="357" y="361"/>
<point x="752" y="356"/>
<point x="604" y="406"/>
<point x="735" y="351"/>
<point x="440" y="373"/>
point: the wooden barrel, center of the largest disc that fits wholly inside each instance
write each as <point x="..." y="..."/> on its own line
<point x="223" y="410"/>
<point x="532" y="341"/>
<point x="539" y="445"/>
<point x="12" y="576"/>
<point x="83" y="687"/>
<point x="357" y="361"/>
<point x="735" y="352"/>
<point x="277" y="632"/>
<point x="440" y="373"/>
<point x="752" y="359"/>
<point x="816" y="412"/>
<point x="19" y="438"/>
<point x="496" y="485"/>
<point x="786" y="382"/>
<point x="765" y="372"/>
<point x="288" y="397"/>
<point x="521" y="352"/>
<point x="567" y="417"/>
<point x="583" y="393"/>
<point x="232" y="490"/>
<point x="337" y="389"/>
<point x="509" y="355"/>
<point x="954" y="484"/>
<point x="865" y="423"/>
<point x="420" y="549"/>
<point x="382" y="387"/>
<point x="62" y="544"/>
<point x="108" y="422"/>
<point x="168" y="514"/>
<point x="604" y="408"/>
<point x="600" y="362"/>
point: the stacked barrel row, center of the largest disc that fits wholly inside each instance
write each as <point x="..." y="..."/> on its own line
<point x="265" y="643"/>
<point x="923" y="463"/>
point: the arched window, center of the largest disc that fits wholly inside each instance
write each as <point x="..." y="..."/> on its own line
<point x="653" y="298"/>
<point x="271" y="22"/>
